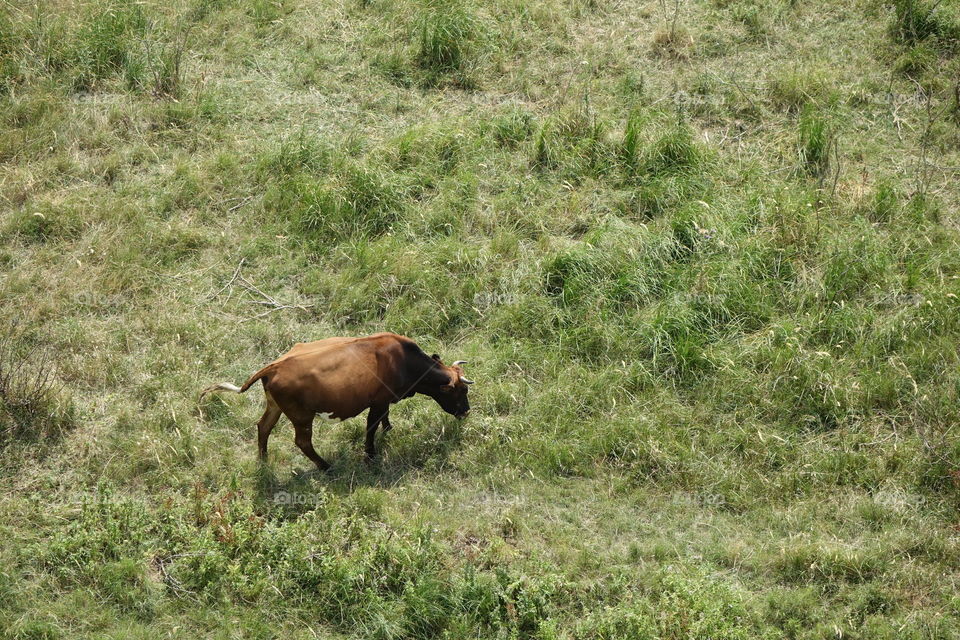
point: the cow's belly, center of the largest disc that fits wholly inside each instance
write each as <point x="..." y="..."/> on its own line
<point x="331" y="405"/>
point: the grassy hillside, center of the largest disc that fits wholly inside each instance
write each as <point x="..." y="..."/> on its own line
<point x="702" y="258"/>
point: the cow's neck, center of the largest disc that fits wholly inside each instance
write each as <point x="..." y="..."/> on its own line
<point x="428" y="374"/>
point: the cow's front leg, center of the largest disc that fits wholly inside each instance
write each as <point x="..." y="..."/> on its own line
<point x="385" y="422"/>
<point x="374" y="417"/>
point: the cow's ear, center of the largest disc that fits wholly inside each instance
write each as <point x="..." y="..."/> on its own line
<point x="436" y="357"/>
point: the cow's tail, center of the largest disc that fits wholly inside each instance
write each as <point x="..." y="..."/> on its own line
<point x="226" y="386"/>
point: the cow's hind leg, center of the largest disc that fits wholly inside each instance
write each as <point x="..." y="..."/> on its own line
<point x="265" y="427"/>
<point x="303" y="429"/>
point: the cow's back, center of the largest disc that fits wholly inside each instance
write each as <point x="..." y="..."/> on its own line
<point x="302" y="348"/>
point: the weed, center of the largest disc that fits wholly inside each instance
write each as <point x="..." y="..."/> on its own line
<point x="31" y="408"/>
<point x="674" y="43"/>
<point x="672" y="39"/>
<point x="165" y="62"/>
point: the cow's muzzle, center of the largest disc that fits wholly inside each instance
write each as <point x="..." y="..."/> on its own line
<point x="461" y="416"/>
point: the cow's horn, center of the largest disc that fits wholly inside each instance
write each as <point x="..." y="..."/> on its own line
<point x="466" y="380"/>
<point x="458" y="362"/>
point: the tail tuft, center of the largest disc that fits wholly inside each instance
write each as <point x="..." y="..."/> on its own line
<point x="220" y="386"/>
<point x="226" y="386"/>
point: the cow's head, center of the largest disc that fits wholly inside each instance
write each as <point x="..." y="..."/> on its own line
<point x="451" y="392"/>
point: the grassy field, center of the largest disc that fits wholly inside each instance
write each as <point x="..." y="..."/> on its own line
<point x="702" y="258"/>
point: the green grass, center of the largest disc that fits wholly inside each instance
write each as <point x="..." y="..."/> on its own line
<point x="816" y="140"/>
<point x="917" y="20"/>
<point x="703" y="264"/>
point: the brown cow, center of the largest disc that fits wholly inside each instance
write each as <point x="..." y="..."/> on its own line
<point x="340" y="378"/>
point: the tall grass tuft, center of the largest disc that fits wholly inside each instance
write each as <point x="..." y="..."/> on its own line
<point x="631" y="149"/>
<point x="793" y="89"/>
<point x="104" y="45"/>
<point x="296" y="153"/>
<point x="449" y="38"/>
<point x="885" y="203"/>
<point x="918" y="20"/>
<point x="574" y="142"/>
<point x="815" y="142"/>
<point x="674" y="152"/>
<point x="11" y="73"/>
<point x="360" y="202"/>
<point x="512" y="127"/>
<point x="266" y="12"/>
